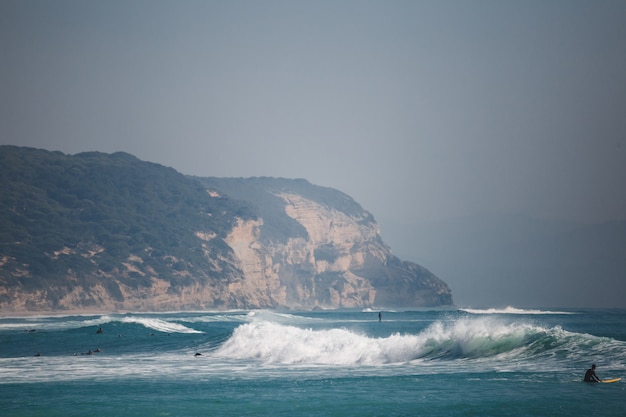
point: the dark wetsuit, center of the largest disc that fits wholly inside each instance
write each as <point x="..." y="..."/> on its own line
<point x="590" y="376"/>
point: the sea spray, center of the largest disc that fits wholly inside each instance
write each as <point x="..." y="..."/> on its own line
<point x="463" y="338"/>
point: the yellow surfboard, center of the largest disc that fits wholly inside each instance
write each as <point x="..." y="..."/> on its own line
<point x="608" y="381"/>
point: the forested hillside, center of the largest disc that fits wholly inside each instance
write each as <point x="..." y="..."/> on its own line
<point x="58" y="213"/>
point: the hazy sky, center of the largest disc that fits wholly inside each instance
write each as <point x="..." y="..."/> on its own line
<point x="419" y="110"/>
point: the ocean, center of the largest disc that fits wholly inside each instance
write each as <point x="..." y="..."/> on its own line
<point x="441" y="362"/>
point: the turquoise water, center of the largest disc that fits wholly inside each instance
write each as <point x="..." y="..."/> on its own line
<point x="343" y="363"/>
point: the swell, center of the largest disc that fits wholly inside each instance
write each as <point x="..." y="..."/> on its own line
<point x="181" y="323"/>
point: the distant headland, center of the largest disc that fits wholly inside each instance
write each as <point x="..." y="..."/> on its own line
<point x="109" y="232"/>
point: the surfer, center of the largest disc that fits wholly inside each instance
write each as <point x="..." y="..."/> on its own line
<point x="590" y="375"/>
<point x="99" y="331"/>
<point x="380" y="316"/>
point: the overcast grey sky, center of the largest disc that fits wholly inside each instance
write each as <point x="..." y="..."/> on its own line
<point x="419" y="110"/>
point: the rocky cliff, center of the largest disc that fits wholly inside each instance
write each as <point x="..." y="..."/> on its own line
<point x="110" y="232"/>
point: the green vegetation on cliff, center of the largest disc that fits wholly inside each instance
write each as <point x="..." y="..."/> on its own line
<point x="54" y="208"/>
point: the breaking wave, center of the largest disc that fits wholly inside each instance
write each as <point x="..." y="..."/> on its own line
<point x="462" y="339"/>
<point x="159" y="325"/>
<point x="52" y="323"/>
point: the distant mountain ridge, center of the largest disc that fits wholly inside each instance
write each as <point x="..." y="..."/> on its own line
<point x="110" y="232"/>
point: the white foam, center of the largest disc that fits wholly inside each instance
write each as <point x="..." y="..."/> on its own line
<point x="464" y="338"/>
<point x="160" y="325"/>
<point x="275" y="343"/>
<point x="511" y="310"/>
<point x="215" y="318"/>
<point x="53" y="323"/>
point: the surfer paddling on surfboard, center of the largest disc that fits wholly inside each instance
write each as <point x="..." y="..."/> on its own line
<point x="590" y="376"/>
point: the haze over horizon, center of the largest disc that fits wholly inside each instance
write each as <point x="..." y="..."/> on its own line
<point x="422" y="111"/>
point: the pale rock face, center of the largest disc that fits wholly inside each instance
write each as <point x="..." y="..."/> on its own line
<point x="288" y="274"/>
<point x="325" y="225"/>
<point x="261" y="285"/>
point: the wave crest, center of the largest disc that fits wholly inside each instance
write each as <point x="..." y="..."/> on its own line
<point x="159" y="325"/>
<point x="460" y="339"/>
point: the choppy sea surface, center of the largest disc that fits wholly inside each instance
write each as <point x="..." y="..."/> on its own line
<point x="451" y="362"/>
